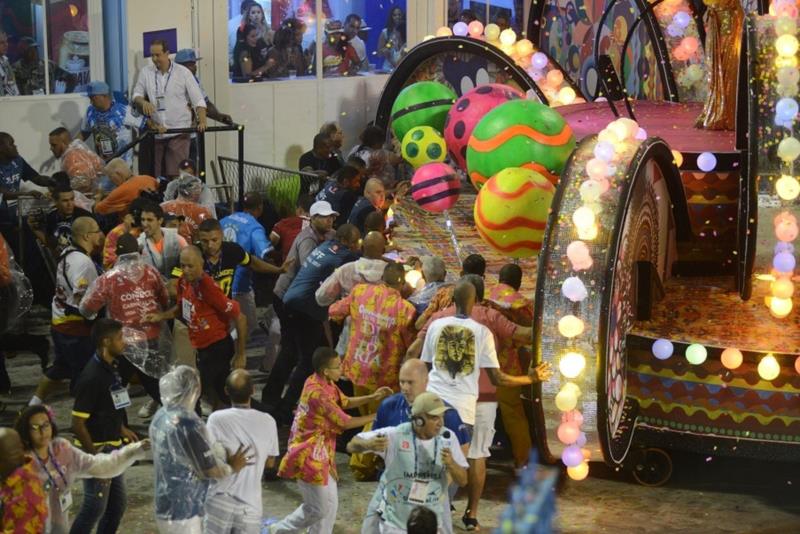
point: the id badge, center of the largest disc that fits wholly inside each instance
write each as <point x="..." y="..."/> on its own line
<point x="419" y="492"/>
<point x="66" y="500"/>
<point x="120" y="398"/>
<point x="160" y="103"/>
<point x="106" y="147"/>
<point x="186" y="310"/>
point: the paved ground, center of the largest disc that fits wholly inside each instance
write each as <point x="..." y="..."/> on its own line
<point x="704" y="496"/>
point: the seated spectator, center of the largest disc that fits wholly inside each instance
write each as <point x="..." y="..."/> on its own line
<point x="55" y="233"/>
<point x="284" y="232"/>
<point x="341" y="192"/>
<point x="434" y="273"/>
<point x="29" y="71"/>
<point x="392" y="41"/>
<point x="8" y="84"/>
<point x="253" y="15"/>
<point x="320" y="159"/>
<point x="128" y="187"/>
<point x="250" y="55"/>
<point x="373" y="199"/>
<point x="187" y="206"/>
<point x="284" y="56"/>
<point x="298" y="29"/>
<point x="338" y="57"/>
<point x="110" y="124"/>
<point x="353" y="25"/>
<point x="81" y="164"/>
<point x="502" y="22"/>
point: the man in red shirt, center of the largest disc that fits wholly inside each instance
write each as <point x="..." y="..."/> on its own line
<point x="284" y="232"/>
<point x="206" y="310"/>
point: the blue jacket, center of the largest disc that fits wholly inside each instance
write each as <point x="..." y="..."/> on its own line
<point x="245" y="230"/>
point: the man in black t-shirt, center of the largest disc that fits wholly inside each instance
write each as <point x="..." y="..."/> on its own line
<point x="220" y="258"/>
<point x="321" y="158"/>
<point x="98" y="420"/>
<point x="56" y="233"/>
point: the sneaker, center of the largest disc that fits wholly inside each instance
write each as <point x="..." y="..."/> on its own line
<point x="471" y="523"/>
<point x="148" y="409"/>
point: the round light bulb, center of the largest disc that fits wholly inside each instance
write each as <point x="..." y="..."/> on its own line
<point x="787" y="187"/>
<point x="696" y="354"/>
<point x="788" y="149"/>
<point x="588" y="233"/>
<point x="786" y="45"/>
<point x="524" y="47"/>
<point x="509" y="37"/>
<point x="566" y="95"/>
<point x="780" y="308"/>
<point x="475" y="28"/>
<point x="572" y="364"/>
<point x="678" y="157"/>
<point x="570" y="326"/>
<point x="428" y="38"/>
<point x="782" y="288"/>
<point x="769" y="368"/>
<point x="566" y="400"/>
<point x="579" y="472"/>
<point x="583" y="217"/>
<point x="444" y="31"/>
<point x="555" y="78"/>
<point x="731" y="358"/>
<point x="491" y="32"/>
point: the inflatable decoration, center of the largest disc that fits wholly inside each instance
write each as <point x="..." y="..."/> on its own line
<point x="468" y="111"/>
<point x="421" y="104"/>
<point x="511" y="211"/>
<point x="519" y="133"/>
<point x="435" y="187"/>
<point x="423" y="144"/>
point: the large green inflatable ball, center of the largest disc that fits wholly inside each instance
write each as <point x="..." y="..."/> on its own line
<point x="421" y="104"/>
<point x="519" y="133"/>
<point x="423" y="144"/>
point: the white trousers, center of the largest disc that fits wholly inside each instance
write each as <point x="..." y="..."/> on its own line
<point x="317" y="513"/>
<point x="182" y="526"/>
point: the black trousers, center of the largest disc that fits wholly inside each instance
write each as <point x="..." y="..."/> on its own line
<point x="150" y="384"/>
<point x="214" y="366"/>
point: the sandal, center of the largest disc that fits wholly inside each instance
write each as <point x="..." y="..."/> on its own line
<point x="471" y="523"/>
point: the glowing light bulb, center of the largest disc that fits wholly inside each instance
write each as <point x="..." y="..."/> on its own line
<point x="696" y="354"/>
<point x="769" y="368"/>
<point x="780" y="308"/>
<point x="568" y="433"/>
<point x="555" y="78"/>
<point x="619" y="130"/>
<point x="789" y="149"/>
<point x="690" y="44"/>
<point x="509" y="37"/>
<point x="428" y="38"/>
<point x="589" y="233"/>
<point x="583" y="217"/>
<point x="566" y="400"/>
<point x="444" y="31"/>
<point x="677" y="157"/>
<point x="787" y="187"/>
<point x="782" y="288"/>
<point x="579" y="256"/>
<point x="475" y="28"/>
<point x="579" y="472"/>
<point x="731" y="358"/>
<point x="566" y="95"/>
<point x="570" y="326"/>
<point x="491" y="32"/>
<point x="572" y="364"/>
<point x="786" y="45"/>
<point x="524" y="47"/>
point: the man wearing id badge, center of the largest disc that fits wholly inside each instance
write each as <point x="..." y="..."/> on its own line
<point x="167" y="92"/>
<point x="98" y="420"/>
<point x="420" y="461"/>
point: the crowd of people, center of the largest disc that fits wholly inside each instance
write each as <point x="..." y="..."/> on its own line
<point x="156" y="284"/>
<point x="259" y="50"/>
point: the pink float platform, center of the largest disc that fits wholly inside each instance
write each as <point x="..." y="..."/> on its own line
<point x="671" y="121"/>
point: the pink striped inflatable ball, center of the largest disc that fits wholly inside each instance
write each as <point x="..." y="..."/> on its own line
<point x="511" y="211"/>
<point x="435" y="187"/>
<point x="468" y="111"/>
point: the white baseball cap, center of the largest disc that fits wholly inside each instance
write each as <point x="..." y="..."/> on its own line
<point x="322" y="208"/>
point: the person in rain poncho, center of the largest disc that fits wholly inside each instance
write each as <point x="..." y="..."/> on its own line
<point x="187" y="205"/>
<point x="130" y="291"/>
<point x="59" y="463"/>
<point x="184" y="457"/>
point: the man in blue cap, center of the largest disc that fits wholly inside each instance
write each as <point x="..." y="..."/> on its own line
<point x="110" y="124"/>
<point x="188" y="58"/>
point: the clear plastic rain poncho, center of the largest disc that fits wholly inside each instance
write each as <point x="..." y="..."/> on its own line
<point x="183" y="455"/>
<point x="16" y="293"/>
<point x="130" y="291"/>
<point x="83" y="166"/>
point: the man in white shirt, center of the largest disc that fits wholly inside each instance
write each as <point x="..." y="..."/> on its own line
<point x="233" y="504"/>
<point x="164" y="92"/>
<point x="420" y="457"/>
<point x="457" y="348"/>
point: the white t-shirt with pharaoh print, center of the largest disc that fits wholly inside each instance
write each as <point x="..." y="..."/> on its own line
<point x="457" y="348"/>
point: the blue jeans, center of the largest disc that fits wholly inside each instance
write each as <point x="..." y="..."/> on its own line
<point x="104" y="503"/>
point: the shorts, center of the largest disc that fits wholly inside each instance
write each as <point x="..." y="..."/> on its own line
<point x="71" y="354"/>
<point x="483" y="431"/>
<point x="226" y="514"/>
<point x="184" y="526"/>
<point x="214" y="365"/>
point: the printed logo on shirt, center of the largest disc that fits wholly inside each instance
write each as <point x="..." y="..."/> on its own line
<point x="405" y="444"/>
<point x="455" y="350"/>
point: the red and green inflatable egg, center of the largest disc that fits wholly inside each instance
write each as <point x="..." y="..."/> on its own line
<point x="511" y="211"/>
<point x="467" y="112"/>
<point x="421" y="104"/>
<point x="519" y="133"/>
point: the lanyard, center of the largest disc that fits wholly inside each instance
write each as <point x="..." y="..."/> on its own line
<point x="52" y="459"/>
<point x="416" y="457"/>
<point x="166" y="84"/>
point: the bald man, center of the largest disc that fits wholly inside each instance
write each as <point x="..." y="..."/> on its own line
<point x="207" y="312"/>
<point x="23" y="507"/>
<point x="75" y="272"/>
<point x="233" y="504"/>
<point x="373" y="199"/>
<point x="368" y="269"/>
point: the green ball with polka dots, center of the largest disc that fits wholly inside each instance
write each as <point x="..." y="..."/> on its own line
<point x="423" y="144"/>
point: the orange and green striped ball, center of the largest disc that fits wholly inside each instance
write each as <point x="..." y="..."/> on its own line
<point x="511" y="211"/>
<point x="421" y="104"/>
<point x="519" y="133"/>
<point x="423" y="144"/>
